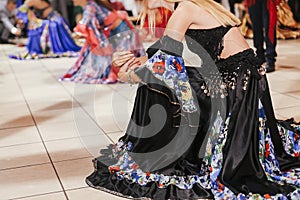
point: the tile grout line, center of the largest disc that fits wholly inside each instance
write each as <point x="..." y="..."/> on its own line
<point x="50" y="140"/>
<point x="29" y="165"/>
<point x="38" y="164"/>
<point x="35" y="123"/>
<point x="37" y="195"/>
<point x="16" y="127"/>
<point x="44" y="194"/>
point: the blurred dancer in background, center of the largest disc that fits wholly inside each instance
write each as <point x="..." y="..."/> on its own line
<point x="48" y="32"/>
<point x="105" y="31"/>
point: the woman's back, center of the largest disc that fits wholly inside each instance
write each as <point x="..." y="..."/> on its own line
<point x="199" y="19"/>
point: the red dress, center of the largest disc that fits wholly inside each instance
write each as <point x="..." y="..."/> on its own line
<point x="162" y="17"/>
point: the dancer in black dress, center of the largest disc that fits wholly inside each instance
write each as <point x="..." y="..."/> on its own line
<point x="220" y="139"/>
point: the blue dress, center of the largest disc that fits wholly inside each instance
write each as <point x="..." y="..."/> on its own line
<point x="50" y="37"/>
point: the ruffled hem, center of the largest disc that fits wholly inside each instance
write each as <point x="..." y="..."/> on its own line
<point x="103" y="180"/>
<point x="106" y="179"/>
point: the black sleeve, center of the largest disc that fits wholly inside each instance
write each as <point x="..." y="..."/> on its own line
<point x="167" y="45"/>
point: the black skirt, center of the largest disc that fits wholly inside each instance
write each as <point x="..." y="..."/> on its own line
<point x="232" y="147"/>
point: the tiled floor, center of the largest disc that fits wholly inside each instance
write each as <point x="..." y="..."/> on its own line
<point x="50" y="131"/>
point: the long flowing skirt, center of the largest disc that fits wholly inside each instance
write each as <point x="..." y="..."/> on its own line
<point x="48" y="38"/>
<point x="231" y="148"/>
<point x="92" y="67"/>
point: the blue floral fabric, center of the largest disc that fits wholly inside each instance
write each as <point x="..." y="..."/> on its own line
<point x="171" y="71"/>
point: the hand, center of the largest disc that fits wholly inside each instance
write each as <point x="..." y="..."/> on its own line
<point x="19" y="32"/>
<point x="126" y="71"/>
<point x="119" y="58"/>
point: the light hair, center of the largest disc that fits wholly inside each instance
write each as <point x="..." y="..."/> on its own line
<point x="150" y="14"/>
<point x="224" y="17"/>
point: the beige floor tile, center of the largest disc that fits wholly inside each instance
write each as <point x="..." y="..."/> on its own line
<point x="92" y="194"/>
<point x="286" y="113"/>
<point x="38" y="91"/>
<point x="14" y="107"/>
<point x="16" y="136"/>
<point x="58" y="116"/>
<point x="93" y="144"/>
<point x="115" y="136"/>
<point x="107" y="123"/>
<point x="293" y="75"/>
<point x="89" y="95"/>
<point x="284" y="86"/>
<point x="30" y="80"/>
<point x="58" y="103"/>
<point x="72" y="129"/>
<point x="62" y="130"/>
<point x="49" y="196"/>
<point x="27" y="181"/>
<point x="114" y="116"/>
<point x="7" y="79"/>
<point x="61" y="63"/>
<point x="8" y="82"/>
<point x="23" y="155"/>
<point x="66" y="149"/>
<point x="294" y="94"/>
<point x="69" y="86"/>
<point x="73" y="173"/>
<point x="12" y="95"/>
<point x="14" y="120"/>
<point x="284" y="101"/>
<point x="23" y="66"/>
<point x="280" y="117"/>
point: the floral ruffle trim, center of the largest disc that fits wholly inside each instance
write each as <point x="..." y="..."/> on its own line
<point x="290" y="138"/>
<point x="128" y="169"/>
<point x="171" y="70"/>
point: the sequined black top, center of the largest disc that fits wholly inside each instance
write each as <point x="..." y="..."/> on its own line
<point x="210" y="39"/>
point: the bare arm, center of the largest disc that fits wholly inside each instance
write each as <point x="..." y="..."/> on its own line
<point x="176" y="28"/>
<point x="179" y="21"/>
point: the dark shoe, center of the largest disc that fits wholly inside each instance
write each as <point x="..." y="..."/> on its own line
<point x="3" y="41"/>
<point x="270" y="68"/>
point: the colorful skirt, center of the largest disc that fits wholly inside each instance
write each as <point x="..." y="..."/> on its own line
<point x="48" y="38"/>
<point x="93" y="68"/>
<point x="231" y="148"/>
